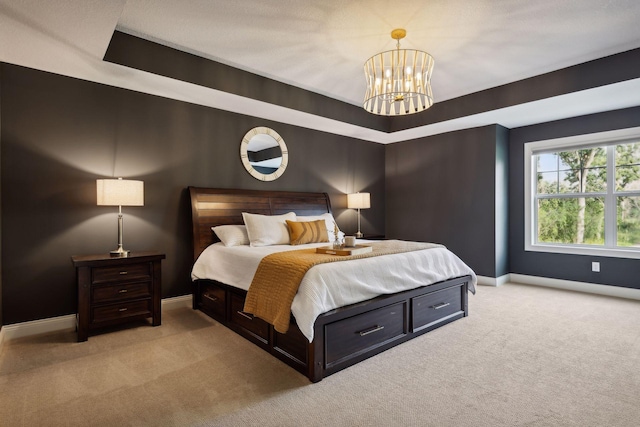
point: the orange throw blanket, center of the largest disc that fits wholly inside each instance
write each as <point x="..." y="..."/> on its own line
<point x="278" y="278"/>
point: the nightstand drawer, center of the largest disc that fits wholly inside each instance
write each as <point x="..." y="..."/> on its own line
<point x="122" y="273"/>
<point x="124" y="291"/>
<point x="120" y="311"/>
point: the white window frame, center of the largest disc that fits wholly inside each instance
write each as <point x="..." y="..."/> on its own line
<point x="566" y="144"/>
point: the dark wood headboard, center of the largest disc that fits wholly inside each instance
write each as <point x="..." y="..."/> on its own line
<point x="218" y="206"/>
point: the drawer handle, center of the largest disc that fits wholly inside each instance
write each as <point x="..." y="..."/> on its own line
<point x="123" y="291"/>
<point x="441" y="305"/>
<point x="209" y="297"/>
<point x="122" y="309"/>
<point x="245" y="315"/>
<point x="371" y="330"/>
<point x="124" y="272"/>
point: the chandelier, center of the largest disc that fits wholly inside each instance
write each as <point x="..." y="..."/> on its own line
<point x="398" y="81"/>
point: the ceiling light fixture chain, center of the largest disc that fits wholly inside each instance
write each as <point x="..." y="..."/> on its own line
<point x="398" y="81"/>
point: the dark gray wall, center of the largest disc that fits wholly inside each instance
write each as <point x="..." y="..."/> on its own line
<point x="443" y="189"/>
<point x="1" y="317"/>
<point x="614" y="271"/>
<point x="60" y="134"/>
<point x="501" y="220"/>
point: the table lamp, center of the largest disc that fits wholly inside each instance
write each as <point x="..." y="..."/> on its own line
<point x="358" y="201"/>
<point x="120" y="192"/>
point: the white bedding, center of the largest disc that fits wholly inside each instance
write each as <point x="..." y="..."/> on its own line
<point x="332" y="285"/>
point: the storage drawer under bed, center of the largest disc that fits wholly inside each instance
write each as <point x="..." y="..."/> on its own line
<point x="355" y="335"/>
<point x="213" y="300"/>
<point x="252" y="324"/>
<point x="435" y="307"/>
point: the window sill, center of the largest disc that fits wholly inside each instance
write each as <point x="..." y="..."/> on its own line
<point x="583" y="250"/>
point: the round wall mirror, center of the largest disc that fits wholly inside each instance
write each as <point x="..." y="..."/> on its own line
<point x="264" y="153"/>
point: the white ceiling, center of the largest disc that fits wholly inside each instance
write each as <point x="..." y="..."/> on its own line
<point x="321" y="45"/>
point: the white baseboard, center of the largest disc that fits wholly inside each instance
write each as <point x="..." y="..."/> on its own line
<point x="491" y="281"/>
<point x="1" y="337"/>
<point x="176" y="302"/>
<point x="68" y="322"/>
<point x="41" y="326"/>
<point x="592" y="288"/>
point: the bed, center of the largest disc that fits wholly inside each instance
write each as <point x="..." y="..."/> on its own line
<point x="341" y="336"/>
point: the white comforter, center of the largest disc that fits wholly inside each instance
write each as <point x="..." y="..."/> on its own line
<point x="332" y="285"/>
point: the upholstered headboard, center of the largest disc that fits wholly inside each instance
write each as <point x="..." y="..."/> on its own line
<point x="218" y="206"/>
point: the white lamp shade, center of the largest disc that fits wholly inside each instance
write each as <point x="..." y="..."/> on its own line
<point x="120" y="192"/>
<point x="358" y="201"/>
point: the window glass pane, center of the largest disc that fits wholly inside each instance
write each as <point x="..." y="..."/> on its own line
<point x="596" y="180"/>
<point x="572" y="220"/>
<point x="628" y="167"/>
<point x="629" y="221"/>
<point x="628" y="154"/>
<point x="568" y="160"/>
<point x="569" y="181"/>
<point x="628" y="178"/>
<point x="599" y="156"/>
<point x="547" y="162"/>
<point x="583" y="171"/>
<point x="547" y="183"/>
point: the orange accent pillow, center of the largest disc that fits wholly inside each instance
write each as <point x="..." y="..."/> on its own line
<point x="301" y="232"/>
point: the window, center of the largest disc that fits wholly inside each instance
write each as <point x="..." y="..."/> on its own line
<point x="582" y="194"/>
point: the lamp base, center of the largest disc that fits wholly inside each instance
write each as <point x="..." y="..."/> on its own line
<point x="359" y="235"/>
<point x="120" y="253"/>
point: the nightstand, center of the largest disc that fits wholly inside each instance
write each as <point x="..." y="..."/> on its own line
<point x="114" y="290"/>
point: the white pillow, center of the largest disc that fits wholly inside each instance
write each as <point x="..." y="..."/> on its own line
<point x="265" y="230"/>
<point x="232" y="235"/>
<point x="329" y="221"/>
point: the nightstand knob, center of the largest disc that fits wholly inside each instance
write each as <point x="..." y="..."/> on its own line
<point x="123" y="291"/>
<point x="122" y="309"/>
<point x="123" y="272"/>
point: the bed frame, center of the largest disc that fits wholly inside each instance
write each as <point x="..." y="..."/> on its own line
<point x="342" y="337"/>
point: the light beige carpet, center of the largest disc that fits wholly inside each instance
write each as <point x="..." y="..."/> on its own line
<point x="526" y="356"/>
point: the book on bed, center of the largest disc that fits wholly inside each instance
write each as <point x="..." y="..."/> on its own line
<point x="356" y="250"/>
